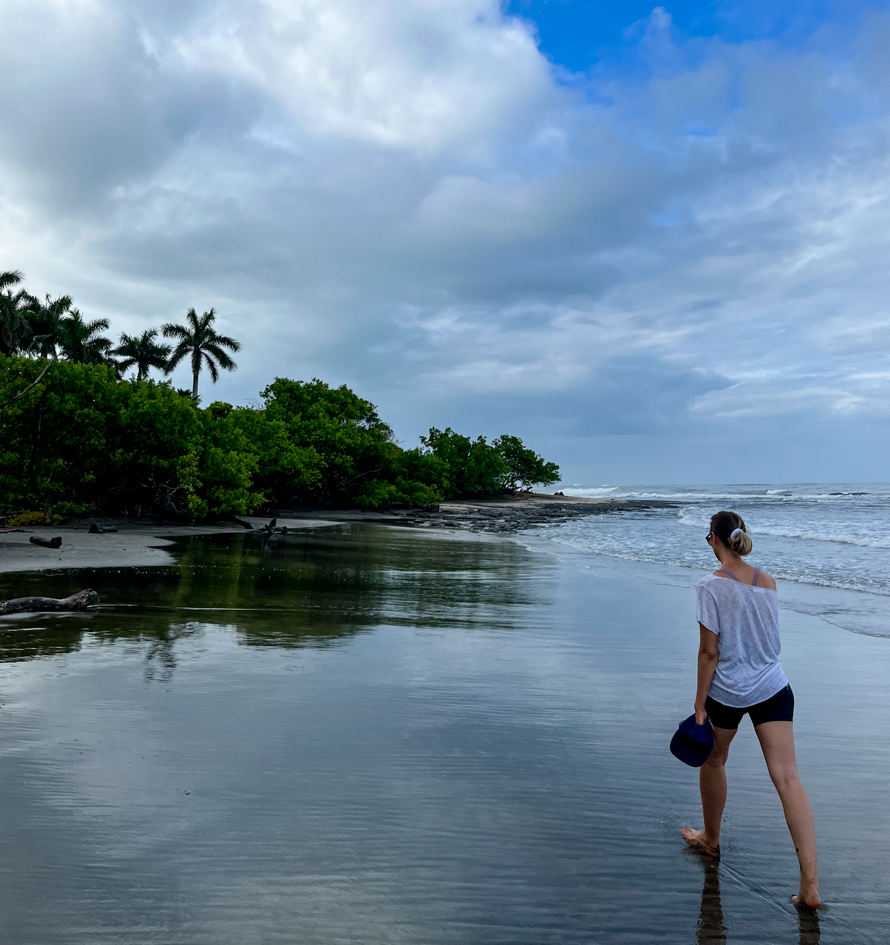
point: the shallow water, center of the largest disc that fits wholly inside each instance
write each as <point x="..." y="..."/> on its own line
<point x="365" y="735"/>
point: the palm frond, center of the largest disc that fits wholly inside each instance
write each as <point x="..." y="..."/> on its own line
<point x="224" y="360"/>
<point x="226" y="341"/>
<point x="211" y="367"/>
<point x="179" y="352"/>
<point x="10" y="278"/>
<point x="175" y="331"/>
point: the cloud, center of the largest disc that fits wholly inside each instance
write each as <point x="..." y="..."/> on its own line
<point x="409" y="198"/>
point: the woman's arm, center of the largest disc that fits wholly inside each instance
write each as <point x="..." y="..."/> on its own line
<point x="708" y="654"/>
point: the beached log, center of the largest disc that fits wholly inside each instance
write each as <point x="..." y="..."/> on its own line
<point x="22" y="605"/>
<point x="46" y="542"/>
<point x="101" y="529"/>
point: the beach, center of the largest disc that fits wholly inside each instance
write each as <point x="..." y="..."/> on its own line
<point x="360" y="733"/>
<point x="144" y="544"/>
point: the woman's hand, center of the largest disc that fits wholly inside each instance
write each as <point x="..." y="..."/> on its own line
<point x="708" y="655"/>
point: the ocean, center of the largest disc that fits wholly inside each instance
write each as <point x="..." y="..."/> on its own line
<point x="827" y="544"/>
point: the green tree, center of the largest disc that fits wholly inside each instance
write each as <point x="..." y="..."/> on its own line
<point x="200" y="341"/>
<point x="227" y="466"/>
<point x="54" y="450"/>
<point x="83" y="342"/>
<point x="80" y="440"/>
<point x="287" y="473"/>
<point x="473" y="467"/>
<point x="142" y="352"/>
<point x="525" y="468"/>
<point x="354" y="446"/>
<point x="155" y="449"/>
<point x="46" y="319"/>
<point x="15" y="310"/>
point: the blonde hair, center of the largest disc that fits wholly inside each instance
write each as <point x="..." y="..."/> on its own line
<point x="729" y="527"/>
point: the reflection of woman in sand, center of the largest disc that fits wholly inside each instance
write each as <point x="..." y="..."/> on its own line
<point x="739" y="671"/>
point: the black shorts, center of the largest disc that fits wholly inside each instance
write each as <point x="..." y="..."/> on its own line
<point x="778" y="708"/>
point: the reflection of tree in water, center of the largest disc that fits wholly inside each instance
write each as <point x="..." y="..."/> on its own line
<point x="711" y="928"/>
<point x="305" y="589"/>
<point x="313" y="588"/>
<point x="160" y="657"/>
<point x="20" y="641"/>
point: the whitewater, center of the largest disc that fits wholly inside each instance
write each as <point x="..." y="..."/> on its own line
<point x="828" y="544"/>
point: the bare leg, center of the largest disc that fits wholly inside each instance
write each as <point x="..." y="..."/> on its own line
<point x="777" y="742"/>
<point x="712" y="783"/>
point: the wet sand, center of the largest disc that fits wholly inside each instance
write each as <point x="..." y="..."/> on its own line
<point x="141" y="544"/>
<point x="364" y="735"/>
<point x="134" y="545"/>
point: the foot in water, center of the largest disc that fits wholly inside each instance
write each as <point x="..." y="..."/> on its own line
<point x="808" y="897"/>
<point x="698" y="841"/>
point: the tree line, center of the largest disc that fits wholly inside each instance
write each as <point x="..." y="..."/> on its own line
<point x="78" y="435"/>
<point x="53" y="327"/>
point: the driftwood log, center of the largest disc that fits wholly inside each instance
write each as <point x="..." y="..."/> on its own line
<point x="22" y="605"/>
<point x="46" y="542"/>
<point x="101" y="529"/>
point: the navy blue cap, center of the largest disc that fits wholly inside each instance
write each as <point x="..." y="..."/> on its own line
<point x="692" y="743"/>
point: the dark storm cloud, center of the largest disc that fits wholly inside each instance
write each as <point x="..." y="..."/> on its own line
<point x="402" y="197"/>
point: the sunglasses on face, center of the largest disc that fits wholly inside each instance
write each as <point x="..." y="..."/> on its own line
<point x="708" y="537"/>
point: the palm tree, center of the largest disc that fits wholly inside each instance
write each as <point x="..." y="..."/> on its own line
<point x="81" y="342"/>
<point x="199" y="340"/>
<point x="10" y="278"/>
<point x="143" y="353"/>
<point x="46" y="325"/>
<point x="15" y="308"/>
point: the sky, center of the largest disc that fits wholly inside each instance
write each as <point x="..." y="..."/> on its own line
<point x="650" y="240"/>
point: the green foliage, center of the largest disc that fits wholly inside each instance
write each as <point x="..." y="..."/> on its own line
<point x="465" y="467"/>
<point x="286" y="472"/>
<point x="81" y="341"/>
<point x="45" y="321"/>
<point x="470" y="467"/>
<point x="352" y="446"/>
<point x="80" y="440"/>
<point x="15" y="307"/>
<point x="142" y="353"/>
<point x="227" y="467"/>
<point x="155" y="460"/>
<point x="76" y="438"/>
<point x="525" y="468"/>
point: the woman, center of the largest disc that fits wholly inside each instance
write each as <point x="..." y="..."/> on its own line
<point x="739" y="672"/>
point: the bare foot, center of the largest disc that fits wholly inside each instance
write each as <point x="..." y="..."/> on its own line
<point x="698" y="841"/>
<point x="808" y="897"/>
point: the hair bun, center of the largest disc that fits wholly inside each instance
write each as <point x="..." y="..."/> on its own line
<point x="737" y="531"/>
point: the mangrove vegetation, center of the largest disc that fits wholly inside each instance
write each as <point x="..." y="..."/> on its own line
<point x="85" y="428"/>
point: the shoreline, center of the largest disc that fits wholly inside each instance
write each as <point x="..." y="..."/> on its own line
<point x="140" y="544"/>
